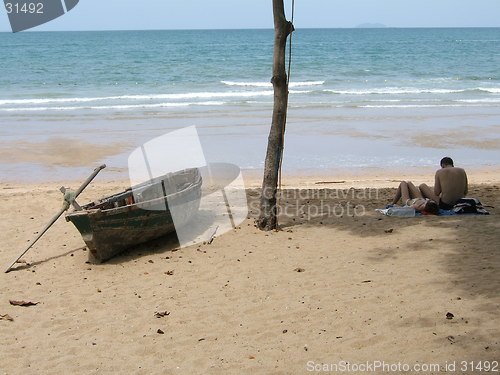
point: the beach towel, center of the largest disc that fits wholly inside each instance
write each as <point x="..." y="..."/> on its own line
<point x="463" y="206"/>
<point x="406" y="213"/>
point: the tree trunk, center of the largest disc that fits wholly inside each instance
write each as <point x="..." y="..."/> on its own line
<point x="268" y="211"/>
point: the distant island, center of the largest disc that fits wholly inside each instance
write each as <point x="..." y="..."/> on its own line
<point x="371" y="26"/>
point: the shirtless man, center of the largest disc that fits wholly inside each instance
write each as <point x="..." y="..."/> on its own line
<point x="450" y="185"/>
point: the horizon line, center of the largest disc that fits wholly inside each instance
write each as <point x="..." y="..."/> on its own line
<point x="264" y="28"/>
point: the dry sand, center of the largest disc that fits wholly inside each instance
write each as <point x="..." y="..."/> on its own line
<point x="373" y="288"/>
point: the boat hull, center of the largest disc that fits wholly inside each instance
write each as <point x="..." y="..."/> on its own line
<point x="108" y="232"/>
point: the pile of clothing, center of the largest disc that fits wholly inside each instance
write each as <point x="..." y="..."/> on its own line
<point x="469" y="206"/>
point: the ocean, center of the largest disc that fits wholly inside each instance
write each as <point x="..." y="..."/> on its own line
<point x="359" y="98"/>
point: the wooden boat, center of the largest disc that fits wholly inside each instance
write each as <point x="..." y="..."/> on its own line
<point x="139" y="214"/>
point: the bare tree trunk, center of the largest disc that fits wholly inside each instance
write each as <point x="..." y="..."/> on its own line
<point x="268" y="212"/>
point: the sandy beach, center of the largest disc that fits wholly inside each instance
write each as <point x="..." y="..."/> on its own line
<point x="352" y="286"/>
<point x="339" y="288"/>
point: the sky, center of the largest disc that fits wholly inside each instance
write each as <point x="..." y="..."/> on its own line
<point x="236" y="14"/>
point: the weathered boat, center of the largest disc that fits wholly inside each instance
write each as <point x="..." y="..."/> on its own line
<point x="139" y="214"/>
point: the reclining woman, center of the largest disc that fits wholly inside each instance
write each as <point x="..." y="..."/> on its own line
<point x="411" y="196"/>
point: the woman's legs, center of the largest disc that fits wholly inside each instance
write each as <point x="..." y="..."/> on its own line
<point x="427" y="192"/>
<point x="406" y="190"/>
<point x="414" y="191"/>
<point x="402" y="193"/>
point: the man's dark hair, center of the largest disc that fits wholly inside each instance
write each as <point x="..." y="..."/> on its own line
<point x="446" y="161"/>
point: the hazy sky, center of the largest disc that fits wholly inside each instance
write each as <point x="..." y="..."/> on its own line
<point x="222" y="14"/>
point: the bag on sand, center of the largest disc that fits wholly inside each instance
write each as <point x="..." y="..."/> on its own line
<point x="469" y="206"/>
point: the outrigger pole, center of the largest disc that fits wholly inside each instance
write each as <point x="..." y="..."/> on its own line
<point x="56" y="216"/>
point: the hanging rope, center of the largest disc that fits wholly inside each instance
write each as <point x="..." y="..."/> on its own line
<point x="280" y="161"/>
<point x="290" y="46"/>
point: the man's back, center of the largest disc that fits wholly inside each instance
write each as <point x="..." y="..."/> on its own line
<point x="451" y="183"/>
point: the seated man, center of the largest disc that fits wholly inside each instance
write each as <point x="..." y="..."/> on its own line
<point x="450" y="185"/>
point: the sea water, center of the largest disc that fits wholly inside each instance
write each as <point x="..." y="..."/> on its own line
<point x="390" y="98"/>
